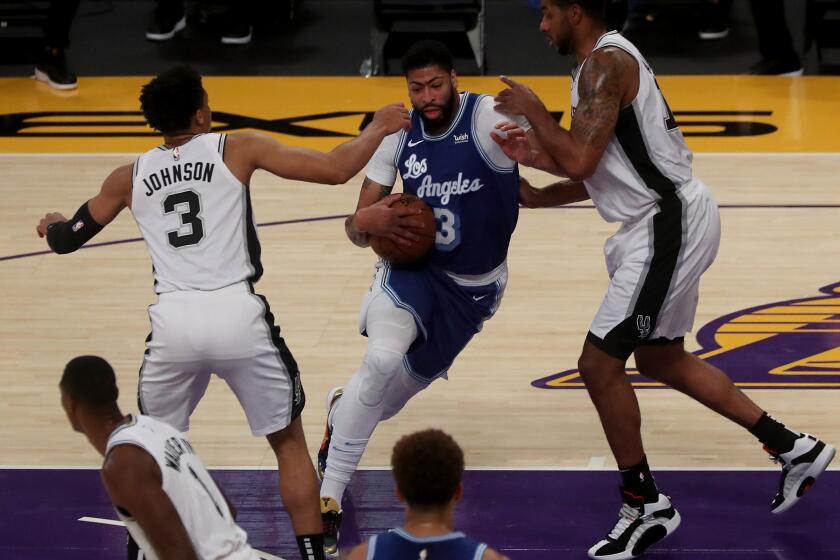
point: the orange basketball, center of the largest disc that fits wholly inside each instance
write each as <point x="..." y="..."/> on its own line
<point x="402" y="254"/>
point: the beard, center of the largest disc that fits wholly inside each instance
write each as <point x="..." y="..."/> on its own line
<point x="564" y="48"/>
<point x="447" y="110"/>
<point x="563" y="43"/>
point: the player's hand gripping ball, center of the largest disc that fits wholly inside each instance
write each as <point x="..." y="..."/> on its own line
<point x="403" y="254"/>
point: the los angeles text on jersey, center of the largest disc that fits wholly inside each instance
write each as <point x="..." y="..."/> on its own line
<point x="429" y="189"/>
<point x="178" y="173"/>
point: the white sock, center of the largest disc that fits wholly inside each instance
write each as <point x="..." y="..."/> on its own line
<point x="353" y="424"/>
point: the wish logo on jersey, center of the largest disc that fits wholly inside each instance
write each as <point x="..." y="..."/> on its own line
<point x="428" y="188"/>
<point x="789" y="344"/>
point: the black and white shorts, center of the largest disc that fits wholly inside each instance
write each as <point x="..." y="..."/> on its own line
<point x="229" y="332"/>
<point x="655" y="265"/>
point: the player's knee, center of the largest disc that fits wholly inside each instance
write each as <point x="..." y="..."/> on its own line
<point x="596" y="374"/>
<point x="379" y="366"/>
<point x="587" y="366"/>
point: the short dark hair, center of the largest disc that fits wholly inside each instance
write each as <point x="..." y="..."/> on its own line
<point x="428" y="52"/>
<point x="171" y="99"/>
<point x="595" y="8"/>
<point x="90" y="380"/>
<point x="428" y="466"/>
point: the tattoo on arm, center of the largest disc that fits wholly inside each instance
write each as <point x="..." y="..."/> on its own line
<point x="601" y="89"/>
<point x="383" y="190"/>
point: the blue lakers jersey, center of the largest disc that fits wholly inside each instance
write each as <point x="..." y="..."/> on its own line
<point x="398" y="544"/>
<point x="476" y="203"/>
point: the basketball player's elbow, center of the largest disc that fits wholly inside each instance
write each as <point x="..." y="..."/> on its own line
<point x="336" y="176"/>
<point x="580" y="169"/>
<point x="337" y="171"/>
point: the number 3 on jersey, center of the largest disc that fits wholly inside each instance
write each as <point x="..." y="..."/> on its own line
<point x="189" y="217"/>
<point x="448" y="235"/>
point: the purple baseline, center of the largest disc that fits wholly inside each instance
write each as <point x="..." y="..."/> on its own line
<point x="528" y="515"/>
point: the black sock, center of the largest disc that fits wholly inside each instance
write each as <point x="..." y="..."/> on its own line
<point x="311" y="546"/>
<point x="774" y="434"/>
<point x="638" y="481"/>
<point x="133" y="549"/>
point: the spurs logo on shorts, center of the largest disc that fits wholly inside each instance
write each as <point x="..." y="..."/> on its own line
<point x="643" y="324"/>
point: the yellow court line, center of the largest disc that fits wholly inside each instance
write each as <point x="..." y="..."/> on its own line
<point x="800" y="113"/>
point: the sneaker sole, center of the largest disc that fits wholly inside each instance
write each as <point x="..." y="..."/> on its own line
<point x="237" y="40"/>
<point x="713" y="35"/>
<point x="334" y="394"/>
<point x="44" y="77"/>
<point x="818" y="467"/>
<point x="331" y="396"/>
<point x="649" y="538"/>
<point x="793" y="74"/>
<point x="182" y="23"/>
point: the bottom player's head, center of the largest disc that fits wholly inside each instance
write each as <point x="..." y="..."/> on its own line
<point x="428" y="466"/>
<point x="563" y="20"/>
<point x="429" y="69"/>
<point x="175" y="102"/>
<point x="88" y="391"/>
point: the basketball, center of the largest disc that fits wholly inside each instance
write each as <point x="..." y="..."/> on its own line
<point x="402" y="254"/>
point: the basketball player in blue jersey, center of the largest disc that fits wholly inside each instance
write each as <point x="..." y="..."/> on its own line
<point x="428" y="467"/>
<point x="191" y="201"/>
<point x="418" y="318"/>
<point x="625" y="151"/>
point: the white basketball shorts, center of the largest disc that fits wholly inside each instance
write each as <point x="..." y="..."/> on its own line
<point x="229" y="332"/>
<point x="655" y="265"/>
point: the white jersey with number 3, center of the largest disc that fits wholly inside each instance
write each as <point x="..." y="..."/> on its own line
<point x="195" y="217"/>
<point x="647" y="155"/>
<point x="199" y="502"/>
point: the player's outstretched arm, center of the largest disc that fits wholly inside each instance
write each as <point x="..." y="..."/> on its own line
<point x="609" y="77"/>
<point x="66" y="236"/>
<point x="556" y="194"/>
<point x="133" y="480"/>
<point x="359" y="552"/>
<point x="303" y="164"/>
<point x="374" y="215"/>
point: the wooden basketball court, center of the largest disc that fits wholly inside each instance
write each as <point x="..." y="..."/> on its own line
<point x="769" y="312"/>
<point x="779" y="196"/>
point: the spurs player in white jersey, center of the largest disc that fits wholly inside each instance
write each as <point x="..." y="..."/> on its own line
<point x="160" y="488"/>
<point x="625" y="151"/>
<point x="191" y="201"/>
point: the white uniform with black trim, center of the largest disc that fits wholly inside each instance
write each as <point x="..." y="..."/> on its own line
<point x="670" y="228"/>
<point x="196" y="219"/>
<point x="203" y="510"/>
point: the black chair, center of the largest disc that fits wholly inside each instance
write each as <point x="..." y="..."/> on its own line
<point x="458" y="23"/>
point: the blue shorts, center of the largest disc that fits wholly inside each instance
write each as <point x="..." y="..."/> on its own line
<point x="448" y="314"/>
